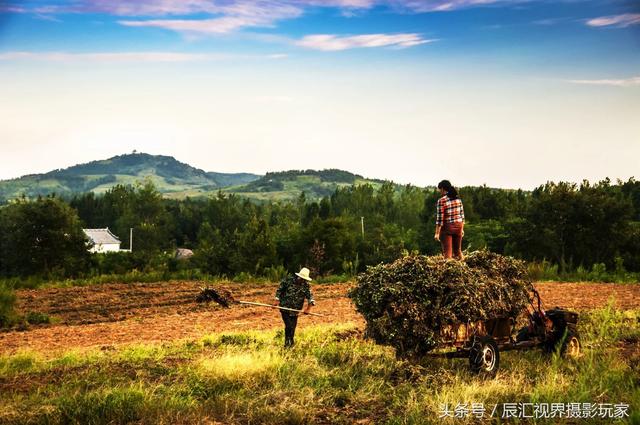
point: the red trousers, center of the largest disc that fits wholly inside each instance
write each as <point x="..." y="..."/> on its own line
<point x="451" y="240"/>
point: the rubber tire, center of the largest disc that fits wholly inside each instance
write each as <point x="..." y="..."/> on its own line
<point x="484" y="356"/>
<point x="571" y="346"/>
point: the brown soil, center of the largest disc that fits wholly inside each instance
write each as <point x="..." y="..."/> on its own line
<point x="587" y="295"/>
<point x="116" y="314"/>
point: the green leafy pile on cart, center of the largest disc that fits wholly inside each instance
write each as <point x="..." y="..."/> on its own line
<point x="408" y="302"/>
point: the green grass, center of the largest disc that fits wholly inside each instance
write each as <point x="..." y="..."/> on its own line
<point x="546" y="271"/>
<point x="272" y="276"/>
<point x="37" y="318"/>
<point x="7" y="304"/>
<point x="129" y="277"/>
<point x="331" y="376"/>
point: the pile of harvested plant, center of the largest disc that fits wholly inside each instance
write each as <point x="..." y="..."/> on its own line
<point x="408" y="302"/>
<point x="220" y="296"/>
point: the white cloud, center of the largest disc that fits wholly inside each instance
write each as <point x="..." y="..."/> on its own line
<point x="135" y="8"/>
<point x="115" y="57"/>
<point x="227" y="7"/>
<point x="331" y="42"/>
<point x="202" y="26"/>
<point x="233" y="16"/>
<point x="159" y="8"/>
<point x="219" y="17"/>
<point x="624" y="82"/>
<point x="11" y="9"/>
<point x="549" y="21"/>
<point x="139" y="8"/>
<point x="420" y="6"/>
<point x="620" y="21"/>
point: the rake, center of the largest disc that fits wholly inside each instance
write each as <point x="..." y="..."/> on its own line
<point x="225" y="299"/>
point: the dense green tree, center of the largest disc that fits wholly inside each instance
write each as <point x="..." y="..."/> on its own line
<point x="631" y="189"/>
<point x="428" y="220"/>
<point x="335" y="238"/>
<point x="41" y="237"/>
<point x="212" y="253"/>
<point x="255" y="249"/>
<point x="568" y="224"/>
<point x="573" y="225"/>
<point x="140" y="208"/>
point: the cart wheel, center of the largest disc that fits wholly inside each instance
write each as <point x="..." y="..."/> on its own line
<point x="484" y="356"/>
<point x="571" y="346"/>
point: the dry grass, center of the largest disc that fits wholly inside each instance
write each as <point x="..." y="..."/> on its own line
<point x="331" y="376"/>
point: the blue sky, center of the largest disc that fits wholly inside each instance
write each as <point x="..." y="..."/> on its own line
<point x="507" y="93"/>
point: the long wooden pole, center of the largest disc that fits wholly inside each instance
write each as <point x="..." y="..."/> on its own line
<point x="281" y="308"/>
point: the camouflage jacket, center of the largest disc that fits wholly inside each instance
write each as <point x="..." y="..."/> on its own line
<point x="292" y="294"/>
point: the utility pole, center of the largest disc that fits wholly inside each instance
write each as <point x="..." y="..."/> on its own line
<point x="362" y="226"/>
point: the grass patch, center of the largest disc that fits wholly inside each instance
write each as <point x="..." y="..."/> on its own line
<point x="273" y="275"/>
<point x="7" y="303"/>
<point x="331" y="376"/>
<point x="128" y="277"/>
<point x="37" y="318"/>
<point x="547" y="271"/>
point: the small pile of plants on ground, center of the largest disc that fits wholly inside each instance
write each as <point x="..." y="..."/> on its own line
<point x="407" y="303"/>
<point x="220" y="296"/>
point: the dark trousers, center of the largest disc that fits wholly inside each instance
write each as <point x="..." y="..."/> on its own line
<point x="451" y="240"/>
<point x="290" y="322"/>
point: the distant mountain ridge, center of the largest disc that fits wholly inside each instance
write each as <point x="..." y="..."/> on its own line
<point x="164" y="166"/>
<point x="168" y="174"/>
<point x="287" y="185"/>
<point x="175" y="179"/>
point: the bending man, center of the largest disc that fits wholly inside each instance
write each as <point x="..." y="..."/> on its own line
<point x="293" y="290"/>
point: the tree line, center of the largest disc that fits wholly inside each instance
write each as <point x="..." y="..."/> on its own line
<point x="569" y="225"/>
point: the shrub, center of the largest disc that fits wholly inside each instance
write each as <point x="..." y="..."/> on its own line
<point x="37" y="318"/>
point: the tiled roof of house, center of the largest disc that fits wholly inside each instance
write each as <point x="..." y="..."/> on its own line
<point x="101" y="236"/>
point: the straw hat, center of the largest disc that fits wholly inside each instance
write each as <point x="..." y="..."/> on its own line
<point x="304" y="274"/>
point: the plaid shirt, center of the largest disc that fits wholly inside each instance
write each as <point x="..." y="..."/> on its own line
<point x="449" y="211"/>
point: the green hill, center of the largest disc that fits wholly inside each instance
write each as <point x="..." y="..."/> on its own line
<point x="176" y="179"/>
<point x="171" y="177"/>
<point x="288" y="185"/>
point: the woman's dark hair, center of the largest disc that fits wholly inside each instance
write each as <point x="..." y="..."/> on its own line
<point x="452" y="193"/>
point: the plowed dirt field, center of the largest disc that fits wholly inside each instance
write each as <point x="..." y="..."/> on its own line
<point x="116" y="314"/>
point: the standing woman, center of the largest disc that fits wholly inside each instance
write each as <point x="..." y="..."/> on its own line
<point x="449" y="221"/>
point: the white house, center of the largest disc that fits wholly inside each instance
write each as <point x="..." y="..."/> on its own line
<point x="103" y="240"/>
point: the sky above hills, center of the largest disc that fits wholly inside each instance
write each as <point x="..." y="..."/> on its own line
<point x="507" y="93"/>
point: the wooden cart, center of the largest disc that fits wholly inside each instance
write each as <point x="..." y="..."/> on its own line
<point x="482" y="341"/>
